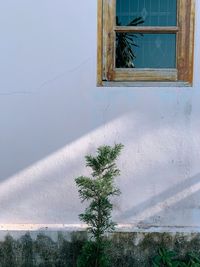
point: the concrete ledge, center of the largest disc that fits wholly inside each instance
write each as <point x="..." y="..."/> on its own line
<point x="137" y="227"/>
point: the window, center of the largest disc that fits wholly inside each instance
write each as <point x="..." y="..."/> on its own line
<point x="145" y="41"/>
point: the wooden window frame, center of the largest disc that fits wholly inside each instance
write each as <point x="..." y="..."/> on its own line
<point x="182" y="75"/>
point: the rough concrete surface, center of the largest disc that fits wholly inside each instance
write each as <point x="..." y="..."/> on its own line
<point x="61" y="249"/>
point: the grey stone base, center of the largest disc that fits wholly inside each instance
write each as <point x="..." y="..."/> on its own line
<point x="61" y="249"/>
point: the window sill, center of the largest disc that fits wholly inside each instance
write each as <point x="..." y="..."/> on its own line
<point x="144" y="84"/>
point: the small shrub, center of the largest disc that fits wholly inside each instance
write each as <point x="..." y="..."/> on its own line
<point x="97" y="190"/>
<point x="89" y="256"/>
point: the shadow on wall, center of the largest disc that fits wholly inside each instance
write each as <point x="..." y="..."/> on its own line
<point x="52" y="114"/>
<point x="45" y="78"/>
<point x="45" y="192"/>
<point x="168" y="208"/>
<point x="64" y="108"/>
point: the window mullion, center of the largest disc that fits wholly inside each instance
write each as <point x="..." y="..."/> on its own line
<point x="147" y="29"/>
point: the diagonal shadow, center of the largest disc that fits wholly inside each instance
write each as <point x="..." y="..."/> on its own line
<point x="164" y="200"/>
<point x="32" y="195"/>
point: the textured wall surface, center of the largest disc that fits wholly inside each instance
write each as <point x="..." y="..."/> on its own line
<point x="58" y="249"/>
<point x="52" y="114"/>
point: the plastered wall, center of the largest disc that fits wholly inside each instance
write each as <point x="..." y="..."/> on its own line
<point x="52" y="114"/>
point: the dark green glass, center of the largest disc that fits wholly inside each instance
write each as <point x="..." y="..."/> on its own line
<point x="151" y="12"/>
<point x="145" y="50"/>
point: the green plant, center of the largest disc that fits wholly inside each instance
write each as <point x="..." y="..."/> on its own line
<point x="124" y="45"/>
<point x="169" y="259"/>
<point x="165" y="258"/>
<point x="91" y="251"/>
<point x="192" y="261"/>
<point x="97" y="191"/>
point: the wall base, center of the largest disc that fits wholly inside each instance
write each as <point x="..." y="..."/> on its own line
<point x="50" y="248"/>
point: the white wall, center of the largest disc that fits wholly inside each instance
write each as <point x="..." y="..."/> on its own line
<point x="52" y="114"/>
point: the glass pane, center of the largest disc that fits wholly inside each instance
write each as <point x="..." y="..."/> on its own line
<point x="150" y="12"/>
<point x="145" y="50"/>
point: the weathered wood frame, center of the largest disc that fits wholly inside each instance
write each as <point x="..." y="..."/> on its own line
<point x="106" y="71"/>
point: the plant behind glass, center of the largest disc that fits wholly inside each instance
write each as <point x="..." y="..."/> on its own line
<point x="124" y="44"/>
